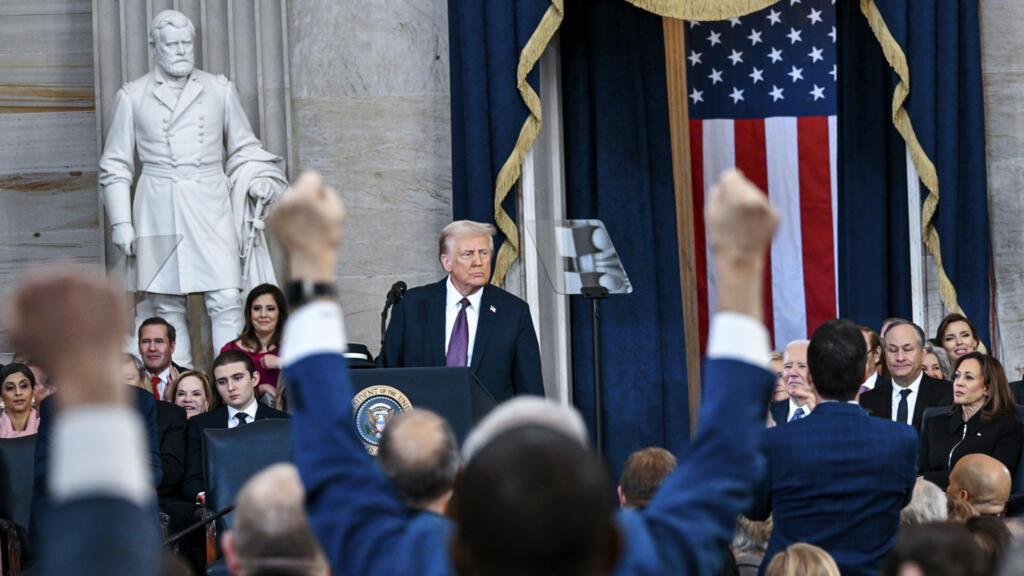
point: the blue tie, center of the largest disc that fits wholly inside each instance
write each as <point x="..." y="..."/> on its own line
<point x="797" y="415"/>
<point x="903" y="409"/>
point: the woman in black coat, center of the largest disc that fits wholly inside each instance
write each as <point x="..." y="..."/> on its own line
<point x="983" y="420"/>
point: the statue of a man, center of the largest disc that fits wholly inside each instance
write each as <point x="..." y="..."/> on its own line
<point x="204" y="176"/>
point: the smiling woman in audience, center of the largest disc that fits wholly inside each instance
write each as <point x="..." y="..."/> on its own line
<point x="265" y="315"/>
<point x="957" y="335"/>
<point x="20" y="417"/>
<point x="192" y="391"/>
<point x="983" y="420"/>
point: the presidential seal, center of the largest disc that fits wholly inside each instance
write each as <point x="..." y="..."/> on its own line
<point x="372" y="408"/>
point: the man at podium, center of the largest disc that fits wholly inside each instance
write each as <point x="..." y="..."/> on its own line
<point x="464" y="321"/>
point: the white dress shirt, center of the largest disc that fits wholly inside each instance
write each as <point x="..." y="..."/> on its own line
<point x="165" y="381"/>
<point x="451" y="312"/>
<point x="911" y="398"/>
<point x="793" y="408"/>
<point x="870" y="381"/>
<point x="249" y="410"/>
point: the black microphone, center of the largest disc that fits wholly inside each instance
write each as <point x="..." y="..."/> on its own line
<point x="394" y="295"/>
<point x="397" y="291"/>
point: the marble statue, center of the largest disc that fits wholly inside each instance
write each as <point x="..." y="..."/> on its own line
<point x="205" y="181"/>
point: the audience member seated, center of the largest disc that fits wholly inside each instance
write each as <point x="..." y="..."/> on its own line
<point x="20" y="417"/>
<point x="983" y="482"/>
<point x="928" y="504"/>
<point x="644" y="472"/>
<point x="156" y="347"/>
<point x="567" y="526"/>
<point x="749" y="543"/>
<point x="192" y="391"/>
<point x="802" y="396"/>
<point x="270" y="532"/>
<point x="937" y="549"/>
<point x="780" y="394"/>
<point x="43" y="386"/>
<point x="802" y="560"/>
<point x="983" y="420"/>
<point x="838" y="478"/>
<point x="265" y="315"/>
<point x="957" y="335"/>
<point x="993" y="538"/>
<point x="236" y="379"/>
<point x="936" y="362"/>
<point x="874" y="363"/>
<point x="904" y="396"/>
<point x="420" y="456"/>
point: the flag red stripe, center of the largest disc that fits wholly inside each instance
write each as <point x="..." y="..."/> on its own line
<point x="816" y="221"/>
<point x="751" y="159"/>
<point x="699" y="242"/>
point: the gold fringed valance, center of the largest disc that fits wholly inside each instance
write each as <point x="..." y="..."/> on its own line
<point x="512" y="169"/>
<point x="896" y="58"/>
<point x="703" y="10"/>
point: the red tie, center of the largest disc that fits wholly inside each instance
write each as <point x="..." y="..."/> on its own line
<point x="156" y="386"/>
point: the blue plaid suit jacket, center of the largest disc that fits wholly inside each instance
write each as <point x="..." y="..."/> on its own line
<point x="838" y="479"/>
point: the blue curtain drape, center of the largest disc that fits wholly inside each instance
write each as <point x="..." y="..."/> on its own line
<point x="618" y="162"/>
<point x="485" y="40"/>
<point x="874" y="250"/>
<point x="941" y="44"/>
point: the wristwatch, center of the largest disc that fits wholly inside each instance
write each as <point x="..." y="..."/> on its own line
<point x="299" y="292"/>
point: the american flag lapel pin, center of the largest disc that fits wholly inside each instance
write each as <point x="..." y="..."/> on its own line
<point x="493" y="309"/>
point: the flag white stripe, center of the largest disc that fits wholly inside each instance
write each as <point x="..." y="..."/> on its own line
<point x="833" y="131"/>
<point x="719" y="155"/>
<point x="788" y="301"/>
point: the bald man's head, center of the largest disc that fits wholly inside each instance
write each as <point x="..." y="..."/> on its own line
<point x="982" y="481"/>
<point x="271" y="533"/>
<point x="419" y="454"/>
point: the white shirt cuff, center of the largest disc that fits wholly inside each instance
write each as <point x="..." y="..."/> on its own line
<point x="101" y="450"/>
<point x="316" y="328"/>
<point x="735" y="336"/>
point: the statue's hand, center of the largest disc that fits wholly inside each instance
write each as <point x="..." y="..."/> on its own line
<point x="262" y="189"/>
<point x="123" y="236"/>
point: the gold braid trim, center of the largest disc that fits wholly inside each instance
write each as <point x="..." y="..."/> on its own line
<point x="704" y="10"/>
<point x="925" y="168"/>
<point x="513" y="167"/>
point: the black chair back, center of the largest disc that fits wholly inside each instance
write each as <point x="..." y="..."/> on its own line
<point x="17" y="473"/>
<point x="232" y="456"/>
<point x="932" y="411"/>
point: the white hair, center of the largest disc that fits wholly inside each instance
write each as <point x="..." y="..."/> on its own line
<point x="463" y="228"/>
<point x="169" y="18"/>
<point x="928" y="504"/>
<point x="525" y="411"/>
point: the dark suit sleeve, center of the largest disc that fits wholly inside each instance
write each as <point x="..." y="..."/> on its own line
<point x="146" y="404"/>
<point x="692" y="517"/>
<point x="193" y="483"/>
<point x="526" y="373"/>
<point x="353" y="509"/>
<point x="100" y="535"/>
<point x="172" y="448"/>
<point x="1008" y="444"/>
<point x="938" y="475"/>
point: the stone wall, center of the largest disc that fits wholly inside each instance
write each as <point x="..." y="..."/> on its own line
<point x="49" y="210"/>
<point x="371" y="112"/>
<point x="1003" y="73"/>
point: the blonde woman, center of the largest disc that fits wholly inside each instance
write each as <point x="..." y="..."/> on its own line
<point x="802" y="559"/>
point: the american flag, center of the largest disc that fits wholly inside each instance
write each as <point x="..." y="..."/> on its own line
<point x="762" y="98"/>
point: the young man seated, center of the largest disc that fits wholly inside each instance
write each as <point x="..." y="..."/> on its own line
<point x="236" y="379"/>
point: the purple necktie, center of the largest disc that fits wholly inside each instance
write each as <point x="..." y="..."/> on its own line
<point x="458" y="344"/>
<point x="864" y="389"/>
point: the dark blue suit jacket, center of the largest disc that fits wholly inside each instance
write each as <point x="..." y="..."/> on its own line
<point x="779" y="411"/>
<point x="41" y="509"/>
<point x="506" y="357"/>
<point x="360" y="519"/>
<point x="838" y="479"/>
